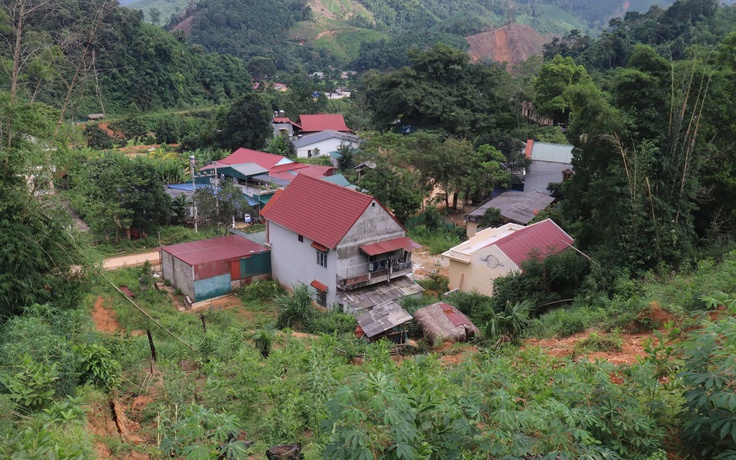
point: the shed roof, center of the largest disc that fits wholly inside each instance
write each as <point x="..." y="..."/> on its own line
<point x="542" y="173"/>
<point x="242" y="156"/>
<point x="382" y="318"/>
<point x="517" y="207"/>
<point x="310" y="139"/>
<point x="213" y="249"/>
<point x="383" y="247"/>
<point x="314" y="123"/>
<point x="369" y="296"/>
<point x="546" y="237"/>
<point x="441" y="321"/>
<point x="546" y="151"/>
<point x="319" y="210"/>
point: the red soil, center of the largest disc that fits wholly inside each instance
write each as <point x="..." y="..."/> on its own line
<point x="104" y="319"/>
<point x="512" y="43"/>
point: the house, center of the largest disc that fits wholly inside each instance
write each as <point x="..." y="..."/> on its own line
<point x="282" y="125"/>
<point x="385" y="321"/>
<point x="344" y="244"/>
<point x="95" y="116"/>
<point x="494" y="252"/>
<point x="550" y="163"/>
<point x="316" y="123"/>
<point x="210" y="268"/>
<point x="515" y="207"/>
<point x="323" y="143"/>
<point x="260" y="174"/>
<point x="442" y="322"/>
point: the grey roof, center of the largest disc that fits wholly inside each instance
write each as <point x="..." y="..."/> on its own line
<point x="337" y="179"/>
<point x="382" y="318"/>
<point x="257" y="237"/>
<point x="362" y="299"/>
<point x="516" y="207"/>
<point x="541" y="173"/>
<point x="249" y="169"/>
<point x="545" y="151"/>
<point x="310" y="139"/>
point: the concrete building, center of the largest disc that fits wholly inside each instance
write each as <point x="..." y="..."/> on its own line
<point x="323" y="143"/>
<point x="344" y="244"/>
<point x="495" y="252"/>
<point x="210" y="268"/>
<point x="550" y="163"/>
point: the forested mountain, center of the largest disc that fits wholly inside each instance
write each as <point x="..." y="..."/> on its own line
<point x="86" y="57"/>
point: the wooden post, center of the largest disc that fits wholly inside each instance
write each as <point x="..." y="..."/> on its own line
<point x="204" y="325"/>
<point x="151" y="345"/>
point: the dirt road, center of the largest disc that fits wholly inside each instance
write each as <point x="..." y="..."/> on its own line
<point x="133" y="260"/>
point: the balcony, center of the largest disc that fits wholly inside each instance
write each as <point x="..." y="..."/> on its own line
<point x="371" y="273"/>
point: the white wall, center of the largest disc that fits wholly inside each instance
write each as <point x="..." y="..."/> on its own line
<point x="294" y="262"/>
<point x="325" y="147"/>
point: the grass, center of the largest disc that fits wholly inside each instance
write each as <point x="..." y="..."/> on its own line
<point x="173" y="234"/>
<point x="596" y="342"/>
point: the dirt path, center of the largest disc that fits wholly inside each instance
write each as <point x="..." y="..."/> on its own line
<point x="104" y="319"/>
<point x="631" y="349"/>
<point x="133" y="260"/>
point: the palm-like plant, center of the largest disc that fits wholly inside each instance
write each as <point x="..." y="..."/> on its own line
<point x="510" y="322"/>
<point x="263" y="340"/>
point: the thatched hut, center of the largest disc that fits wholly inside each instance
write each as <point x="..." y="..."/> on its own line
<point x="441" y="322"/>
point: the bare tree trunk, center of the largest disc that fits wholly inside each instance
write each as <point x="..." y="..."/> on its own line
<point x="151" y="345"/>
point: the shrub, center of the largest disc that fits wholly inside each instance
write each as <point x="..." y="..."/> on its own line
<point x="435" y="282"/>
<point x="261" y="291"/>
<point x="295" y="309"/>
<point x="97" y="366"/>
<point x="332" y="321"/>
<point x="596" y="342"/>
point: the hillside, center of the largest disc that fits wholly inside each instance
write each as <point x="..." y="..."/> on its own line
<point x="321" y="33"/>
<point x="513" y="44"/>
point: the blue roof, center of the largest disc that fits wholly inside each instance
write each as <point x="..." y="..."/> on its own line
<point x="337" y="179"/>
<point x="187" y="186"/>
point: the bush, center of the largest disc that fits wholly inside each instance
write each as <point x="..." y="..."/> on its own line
<point x="261" y="291"/>
<point x="295" y="309"/>
<point x="436" y="283"/>
<point x="332" y="321"/>
<point x="596" y="342"/>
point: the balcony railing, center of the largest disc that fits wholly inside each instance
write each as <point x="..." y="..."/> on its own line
<point x="372" y="273"/>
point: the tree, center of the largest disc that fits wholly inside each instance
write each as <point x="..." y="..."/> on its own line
<point x="247" y="123"/>
<point x="97" y="138"/>
<point x="280" y="145"/>
<point x="346" y="161"/>
<point x="221" y="205"/>
<point x="397" y="189"/>
<point x="154" y="14"/>
<point x="442" y="91"/>
<point x="295" y="309"/>
<point x="261" y="67"/>
<point x="549" y="87"/>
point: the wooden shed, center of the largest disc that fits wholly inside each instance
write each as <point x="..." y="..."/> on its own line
<point x="442" y="322"/>
<point x="210" y="268"/>
<point x="387" y="320"/>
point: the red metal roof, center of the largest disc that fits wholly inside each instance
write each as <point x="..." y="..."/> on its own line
<point x="545" y="237"/>
<point x="242" y="155"/>
<point x="528" y="149"/>
<point x="315" y="123"/>
<point x="319" y="210"/>
<point x="383" y="247"/>
<point x="318" y="286"/>
<point x="214" y="249"/>
<point x="272" y="200"/>
<point x="454" y="315"/>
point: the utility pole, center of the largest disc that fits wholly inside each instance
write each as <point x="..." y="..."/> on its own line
<point x="194" y="204"/>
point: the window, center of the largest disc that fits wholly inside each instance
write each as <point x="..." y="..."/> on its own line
<point x="301" y="239"/>
<point x="321" y="258"/>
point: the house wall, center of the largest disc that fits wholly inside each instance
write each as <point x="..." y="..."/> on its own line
<point x="374" y="225"/>
<point x="471" y="228"/>
<point x="294" y="261"/>
<point x="478" y="275"/>
<point x="325" y="147"/>
<point x="211" y="287"/>
<point x="179" y="273"/>
<point x="279" y="127"/>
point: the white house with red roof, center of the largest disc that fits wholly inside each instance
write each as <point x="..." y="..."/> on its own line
<point x="495" y="252"/>
<point x="322" y="122"/>
<point x="344" y="244"/>
<point x="323" y="143"/>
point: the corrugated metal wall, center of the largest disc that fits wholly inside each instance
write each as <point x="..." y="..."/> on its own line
<point x="212" y="287"/>
<point x="258" y="264"/>
<point x="211" y="269"/>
